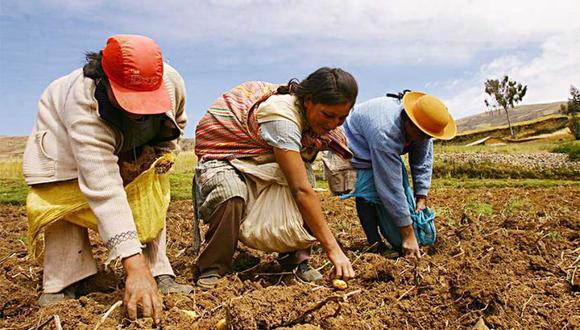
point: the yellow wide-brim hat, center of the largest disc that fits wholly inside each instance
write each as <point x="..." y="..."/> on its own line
<point x="430" y="115"/>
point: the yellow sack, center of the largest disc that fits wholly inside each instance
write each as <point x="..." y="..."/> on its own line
<point x="148" y="196"/>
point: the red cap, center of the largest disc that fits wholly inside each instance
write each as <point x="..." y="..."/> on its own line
<point x="134" y="66"/>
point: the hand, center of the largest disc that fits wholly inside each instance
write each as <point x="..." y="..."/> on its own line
<point x="163" y="166"/>
<point x="342" y="266"/>
<point x="141" y="289"/>
<point x="421" y="203"/>
<point x="409" y="245"/>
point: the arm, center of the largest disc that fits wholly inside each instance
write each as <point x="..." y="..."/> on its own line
<point x="292" y="166"/>
<point x="421" y="163"/>
<point x="386" y="165"/>
<point x="93" y="145"/>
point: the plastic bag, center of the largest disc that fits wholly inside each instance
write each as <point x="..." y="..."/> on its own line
<point x="148" y="196"/>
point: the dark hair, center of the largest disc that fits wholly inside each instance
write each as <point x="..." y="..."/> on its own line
<point x="325" y="85"/>
<point x="93" y="68"/>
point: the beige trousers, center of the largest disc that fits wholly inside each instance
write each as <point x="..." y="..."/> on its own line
<point x="68" y="257"/>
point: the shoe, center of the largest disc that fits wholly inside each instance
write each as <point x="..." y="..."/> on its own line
<point x="306" y="273"/>
<point x="208" y="281"/>
<point x="48" y="299"/>
<point x="167" y="284"/>
<point x="379" y="248"/>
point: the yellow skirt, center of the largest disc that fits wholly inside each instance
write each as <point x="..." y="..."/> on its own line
<point x="148" y="196"/>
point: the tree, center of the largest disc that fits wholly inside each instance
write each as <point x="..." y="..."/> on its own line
<point x="574" y="110"/>
<point x="505" y="94"/>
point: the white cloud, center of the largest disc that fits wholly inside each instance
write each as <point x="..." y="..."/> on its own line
<point x="372" y="32"/>
<point x="535" y="42"/>
<point x="548" y="75"/>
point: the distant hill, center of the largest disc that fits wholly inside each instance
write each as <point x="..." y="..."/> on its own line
<point x="13" y="146"/>
<point x="498" y="118"/>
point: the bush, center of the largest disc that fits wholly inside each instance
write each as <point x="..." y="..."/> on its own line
<point x="570" y="148"/>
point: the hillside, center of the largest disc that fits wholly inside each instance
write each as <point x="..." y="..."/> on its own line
<point x="498" y="118"/>
<point x="13" y="146"/>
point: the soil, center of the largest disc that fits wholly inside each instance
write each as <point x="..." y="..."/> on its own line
<point x="506" y="256"/>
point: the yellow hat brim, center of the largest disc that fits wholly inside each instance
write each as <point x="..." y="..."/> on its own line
<point x="409" y="101"/>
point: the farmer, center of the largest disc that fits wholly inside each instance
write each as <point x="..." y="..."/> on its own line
<point x="269" y="124"/>
<point x="379" y="131"/>
<point x="123" y="98"/>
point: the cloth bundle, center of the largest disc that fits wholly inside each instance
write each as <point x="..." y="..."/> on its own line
<point x="273" y="222"/>
<point x="423" y="221"/>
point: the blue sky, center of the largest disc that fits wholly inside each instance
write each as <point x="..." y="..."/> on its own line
<point x="446" y="48"/>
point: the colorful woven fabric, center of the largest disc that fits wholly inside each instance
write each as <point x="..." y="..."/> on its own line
<point x="230" y="129"/>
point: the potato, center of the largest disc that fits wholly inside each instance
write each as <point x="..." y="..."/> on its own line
<point x="221" y="324"/>
<point x="339" y="284"/>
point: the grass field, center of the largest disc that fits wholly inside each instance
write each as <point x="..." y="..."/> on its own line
<point x="13" y="189"/>
<point x="521" y="148"/>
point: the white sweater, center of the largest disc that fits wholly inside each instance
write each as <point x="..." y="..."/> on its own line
<point x="70" y="140"/>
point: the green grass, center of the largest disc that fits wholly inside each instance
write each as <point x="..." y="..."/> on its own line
<point x="486" y="169"/>
<point x="10" y="168"/>
<point x="321" y="183"/>
<point x="554" y="236"/>
<point x="520" y="148"/>
<point x="571" y="148"/>
<point x="13" y="191"/>
<point x="478" y="208"/>
<point x="180" y="185"/>
<point x="454" y="183"/>
<point x="516" y="205"/>
<point x="185" y="162"/>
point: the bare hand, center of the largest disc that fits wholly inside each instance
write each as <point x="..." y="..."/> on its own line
<point x="342" y="266"/>
<point x="409" y="245"/>
<point x="411" y="248"/>
<point x="141" y="289"/>
<point x="421" y="203"/>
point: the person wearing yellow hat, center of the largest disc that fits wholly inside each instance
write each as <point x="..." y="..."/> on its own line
<point x="123" y="99"/>
<point x="379" y="131"/>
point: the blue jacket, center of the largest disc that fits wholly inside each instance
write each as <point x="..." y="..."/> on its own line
<point x="376" y="136"/>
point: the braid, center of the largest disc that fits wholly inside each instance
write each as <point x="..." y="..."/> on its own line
<point x="290" y="88"/>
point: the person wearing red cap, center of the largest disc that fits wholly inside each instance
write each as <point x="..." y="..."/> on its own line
<point x="123" y="99"/>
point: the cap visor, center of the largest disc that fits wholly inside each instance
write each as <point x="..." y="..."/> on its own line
<point x="142" y="102"/>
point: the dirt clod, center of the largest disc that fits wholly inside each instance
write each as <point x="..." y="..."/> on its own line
<point x="514" y="268"/>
